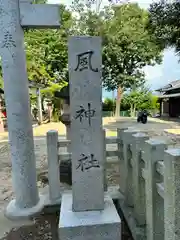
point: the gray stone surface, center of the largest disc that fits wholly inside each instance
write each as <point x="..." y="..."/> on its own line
<point x="85" y="62"/>
<point x="15" y="212"/>
<point x="18" y="108"/>
<point x="128" y="177"/>
<point x="89" y="225"/>
<point x="104" y="159"/>
<point x="39" y="15"/>
<point x="172" y="194"/>
<point x="154" y="151"/>
<point x="138" y="181"/>
<point x="121" y="159"/>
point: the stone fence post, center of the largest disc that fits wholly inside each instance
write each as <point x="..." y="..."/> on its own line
<point x="121" y="158"/>
<point x="53" y="166"/>
<point x="138" y="181"/>
<point x="153" y="152"/>
<point x="172" y="194"/>
<point x="128" y="180"/>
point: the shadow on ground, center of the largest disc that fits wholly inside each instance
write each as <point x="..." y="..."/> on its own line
<point x="45" y="227"/>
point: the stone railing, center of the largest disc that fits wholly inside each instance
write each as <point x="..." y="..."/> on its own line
<point x="149" y="182"/>
<point x="57" y="151"/>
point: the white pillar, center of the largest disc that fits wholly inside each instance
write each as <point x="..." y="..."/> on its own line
<point x="27" y="200"/>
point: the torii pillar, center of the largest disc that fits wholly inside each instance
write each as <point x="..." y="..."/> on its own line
<point x="16" y="14"/>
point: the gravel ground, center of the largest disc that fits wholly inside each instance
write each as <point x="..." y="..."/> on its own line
<point x="45" y="226"/>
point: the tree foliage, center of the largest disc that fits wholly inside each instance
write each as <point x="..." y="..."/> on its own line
<point x="128" y="47"/>
<point x="140" y="99"/>
<point x="109" y="105"/>
<point x="164" y="21"/>
<point x="47" y="53"/>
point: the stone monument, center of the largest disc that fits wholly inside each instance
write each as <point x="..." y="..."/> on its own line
<point x="16" y="14"/>
<point x="86" y="212"/>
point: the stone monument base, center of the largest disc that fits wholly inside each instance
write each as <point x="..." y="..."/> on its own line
<point x="13" y="212"/>
<point x="89" y="225"/>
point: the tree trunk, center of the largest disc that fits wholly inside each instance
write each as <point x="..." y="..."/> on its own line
<point x="131" y="110"/>
<point x="118" y="101"/>
<point x="134" y="111"/>
<point x="42" y="103"/>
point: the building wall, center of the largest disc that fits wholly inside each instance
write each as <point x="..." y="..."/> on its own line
<point x="165" y="108"/>
<point x="174" y="107"/>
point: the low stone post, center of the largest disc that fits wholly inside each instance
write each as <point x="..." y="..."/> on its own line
<point x="138" y="181"/>
<point x="154" y="152"/>
<point x="128" y="190"/>
<point x="121" y="158"/>
<point x="172" y="194"/>
<point x="53" y="166"/>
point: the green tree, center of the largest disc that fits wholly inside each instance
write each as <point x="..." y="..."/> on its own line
<point x="140" y="99"/>
<point x="47" y="56"/>
<point x="109" y="105"/>
<point x="164" y="21"/>
<point x="47" y="52"/>
<point x="128" y="47"/>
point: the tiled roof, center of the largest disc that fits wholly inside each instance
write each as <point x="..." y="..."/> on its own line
<point x="170" y="86"/>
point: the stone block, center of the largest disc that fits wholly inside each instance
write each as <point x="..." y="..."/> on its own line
<point x="172" y="194"/>
<point x="138" y="180"/>
<point x="89" y="225"/>
<point x="40" y="15"/>
<point x="154" y="152"/>
<point x="127" y="155"/>
<point x="85" y="62"/>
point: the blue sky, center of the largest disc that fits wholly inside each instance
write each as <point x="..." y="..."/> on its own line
<point x="158" y="75"/>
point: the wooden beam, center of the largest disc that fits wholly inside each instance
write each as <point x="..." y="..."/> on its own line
<point x="40" y="15"/>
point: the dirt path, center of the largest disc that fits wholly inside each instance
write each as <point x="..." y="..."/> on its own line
<point x="45" y="227"/>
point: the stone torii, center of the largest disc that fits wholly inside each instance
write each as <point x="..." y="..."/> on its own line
<point x="14" y="15"/>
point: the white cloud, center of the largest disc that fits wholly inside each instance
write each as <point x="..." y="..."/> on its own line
<point x="153" y="72"/>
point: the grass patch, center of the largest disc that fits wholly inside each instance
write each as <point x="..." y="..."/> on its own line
<point x="111" y="133"/>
